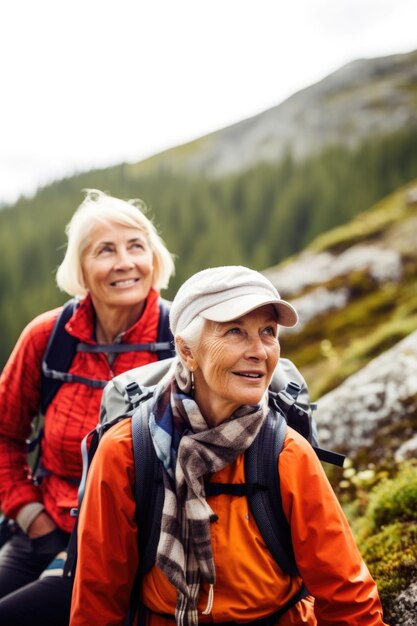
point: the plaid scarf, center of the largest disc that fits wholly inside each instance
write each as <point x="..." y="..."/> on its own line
<point x="189" y="450"/>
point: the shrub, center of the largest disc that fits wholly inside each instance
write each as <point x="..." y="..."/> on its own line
<point x="395" y="499"/>
<point x="391" y="556"/>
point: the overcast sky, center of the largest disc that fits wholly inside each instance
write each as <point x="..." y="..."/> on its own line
<point x="90" y="83"/>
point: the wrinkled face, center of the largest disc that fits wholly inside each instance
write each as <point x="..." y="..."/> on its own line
<point x="235" y="362"/>
<point x="117" y="265"/>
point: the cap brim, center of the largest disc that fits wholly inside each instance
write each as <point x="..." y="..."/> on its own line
<point x="236" y="307"/>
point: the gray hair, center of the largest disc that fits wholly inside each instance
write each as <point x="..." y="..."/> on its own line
<point x="192" y="334"/>
<point x="99" y="207"/>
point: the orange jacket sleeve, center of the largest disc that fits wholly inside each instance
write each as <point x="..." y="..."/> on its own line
<point x="325" y="550"/>
<point x="108" y="560"/>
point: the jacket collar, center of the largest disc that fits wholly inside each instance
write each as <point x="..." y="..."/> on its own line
<point x="82" y="323"/>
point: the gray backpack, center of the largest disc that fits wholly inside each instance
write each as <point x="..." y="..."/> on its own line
<point x="119" y="395"/>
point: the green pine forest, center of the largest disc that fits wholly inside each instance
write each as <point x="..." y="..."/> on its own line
<point x="258" y="217"/>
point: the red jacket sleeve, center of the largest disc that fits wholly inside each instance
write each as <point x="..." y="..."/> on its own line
<point x="107" y="535"/>
<point x="325" y="550"/>
<point x="19" y="404"/>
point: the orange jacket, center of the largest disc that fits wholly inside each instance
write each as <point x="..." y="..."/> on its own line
<point x="249" y="583"/>
<point x="72" y="413"/>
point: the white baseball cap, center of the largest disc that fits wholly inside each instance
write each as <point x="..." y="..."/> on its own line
<point x="221" y="294"/>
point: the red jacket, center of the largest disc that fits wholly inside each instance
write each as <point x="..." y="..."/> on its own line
<point x="249" y="584"/>
<point x="72" y="413"/>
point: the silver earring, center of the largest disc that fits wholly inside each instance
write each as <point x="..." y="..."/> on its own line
<point x="192" y="381"/>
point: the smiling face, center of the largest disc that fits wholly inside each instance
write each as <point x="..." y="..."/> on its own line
<point x="117" y="266"/>
<point x="234" y="363"/>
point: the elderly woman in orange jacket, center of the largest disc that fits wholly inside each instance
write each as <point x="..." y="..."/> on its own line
<point x="212" y="565"/>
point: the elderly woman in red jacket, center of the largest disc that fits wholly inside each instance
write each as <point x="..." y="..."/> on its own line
<point x="115" y="263"/>
<point x="212" y="565"/>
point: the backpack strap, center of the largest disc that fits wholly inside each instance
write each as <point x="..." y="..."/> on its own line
<point x="285" y="402"/>
<point x="164" y="331"/>
<point x="164" y="345"/>
<point x="268" y="620"/>
<point x="149" y="498"/>
<point x="62" y="347"/>
<point x="58" y="355"/>
<point x="120" y="348"/>
<point x="89" y="447"/>
<point x="261" y="468"/>
<point x="149" y="488"/>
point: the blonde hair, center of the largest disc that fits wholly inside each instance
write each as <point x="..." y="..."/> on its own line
<point x="98" y="207"/>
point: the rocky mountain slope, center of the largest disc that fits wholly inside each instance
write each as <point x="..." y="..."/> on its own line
<point x="367" y="97"/>
<point x="355" y="288"/>
<point x="356" y="292"/>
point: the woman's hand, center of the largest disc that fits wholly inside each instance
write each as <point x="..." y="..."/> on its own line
<point x="41" y="525"/>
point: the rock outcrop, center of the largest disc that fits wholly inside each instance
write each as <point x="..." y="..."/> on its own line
<point x="376" y="408"/>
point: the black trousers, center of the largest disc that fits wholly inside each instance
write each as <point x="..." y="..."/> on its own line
<point x="26" y="600"/>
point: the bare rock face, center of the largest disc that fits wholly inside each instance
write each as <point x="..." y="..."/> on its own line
<point x="406" y="607"/>
<point x="373" y="414"/>
<point x="364" y="98"/>
<point x="368" y="97"/>
<point x="310" y="272"/>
